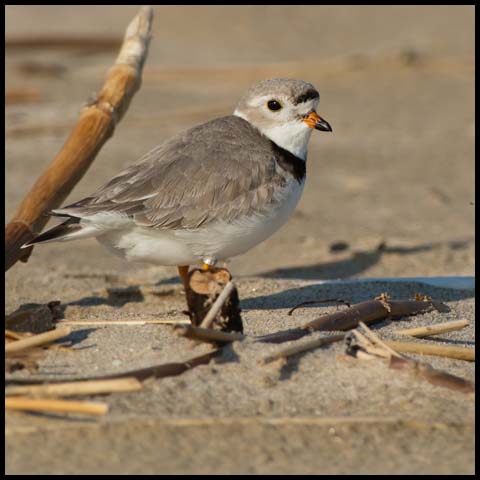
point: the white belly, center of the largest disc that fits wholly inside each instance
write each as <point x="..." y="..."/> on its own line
<point x="217" y="241"/>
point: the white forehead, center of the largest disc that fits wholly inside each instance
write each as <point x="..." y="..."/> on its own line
<point x="285" y="100"/>
<point x="290" y="92"/>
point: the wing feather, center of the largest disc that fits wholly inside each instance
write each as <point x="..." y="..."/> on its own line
<point x="221" y="169"/>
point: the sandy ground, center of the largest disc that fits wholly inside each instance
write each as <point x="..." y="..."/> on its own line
<point x="397" y="85"/>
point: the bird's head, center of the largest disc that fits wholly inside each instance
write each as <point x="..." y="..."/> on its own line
<point x="284" y="110"/>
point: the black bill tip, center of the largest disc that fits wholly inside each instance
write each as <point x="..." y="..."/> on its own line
<point x="323" y="125"/>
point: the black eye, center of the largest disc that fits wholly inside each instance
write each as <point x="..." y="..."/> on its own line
<point x="274" y="105"/>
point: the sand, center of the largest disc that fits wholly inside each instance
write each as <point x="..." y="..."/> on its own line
<point x="393" y="184"/>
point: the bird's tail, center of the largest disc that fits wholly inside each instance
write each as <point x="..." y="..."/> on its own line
<point x="66" y="231"/>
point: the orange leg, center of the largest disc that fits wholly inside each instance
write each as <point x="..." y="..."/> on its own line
<point x="183" y="272"/>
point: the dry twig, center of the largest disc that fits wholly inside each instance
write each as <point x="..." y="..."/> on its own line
<point x="68" y="389"/>
<point x="460" y="353"/>
<point x="122" y="322"/>
<point x="216" y="307"/>
<point x="429" y="330"/>
<point x="377" y="340"/>
<point x="302" y="347"/>
<point x="373" y="345"/>
<point x="37" y="340"/>
<point x="53" y="405"/>
<point x="155" y="371"/>
<point x="13" y="336"/>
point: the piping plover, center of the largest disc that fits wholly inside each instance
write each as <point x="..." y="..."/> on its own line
<point x="209" y="193"/>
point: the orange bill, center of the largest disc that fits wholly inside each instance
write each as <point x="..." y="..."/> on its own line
<point x="314" y="120"/>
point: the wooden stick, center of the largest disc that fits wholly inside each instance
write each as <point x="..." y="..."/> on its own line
<point x="37" y="340"/>
<point x="57" y="406"/>
<point x="68" y="389"/>
<point x="429" y="330"/>
<point x="94" y="127"/>
<point x="460" y="353"/>
<point x="369" y="348"/>
<point x="303" y="347"/>
<point x="11" y="335"/>
<point x="155" y="371"/>
<point x="207" y="334"/>
<point x="123" y="322"/>
<point x="283" y="336"/>
<point x="367" y="312"/>
<point x="212" y="313"/>
<point x="375" y="339"/>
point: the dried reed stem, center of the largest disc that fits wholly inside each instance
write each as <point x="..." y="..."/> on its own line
<point x="53" y="405"/>
<point x="429" y="330"/>
<point x="123" y="322"/>
<point x="460" y="353"/>
<point x="68" y="389"/>
<point x="216" y="307"/>
<point x="37" y="340"/>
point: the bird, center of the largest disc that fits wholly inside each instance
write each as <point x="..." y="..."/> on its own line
<point x="210" y="193"/>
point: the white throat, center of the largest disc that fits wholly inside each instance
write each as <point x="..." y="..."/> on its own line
<point x="292" y="136"/>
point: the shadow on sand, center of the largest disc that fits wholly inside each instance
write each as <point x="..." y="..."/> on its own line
<point x="358" y="261"/>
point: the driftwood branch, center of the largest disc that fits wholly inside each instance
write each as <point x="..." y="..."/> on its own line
<point x="141" y="374"/>
<point x="94" y="127"/>
<point x="367" y="312"/>
<point x="212" y="299"/>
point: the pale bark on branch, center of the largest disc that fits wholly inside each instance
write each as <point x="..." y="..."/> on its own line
<point x="94" y="127"/>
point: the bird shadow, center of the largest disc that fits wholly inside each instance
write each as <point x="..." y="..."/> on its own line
<point x="78" y="336"/>
<point x="352" y="266"/>
<point x="117" y="297"/>
<point x="358" y="261"/>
